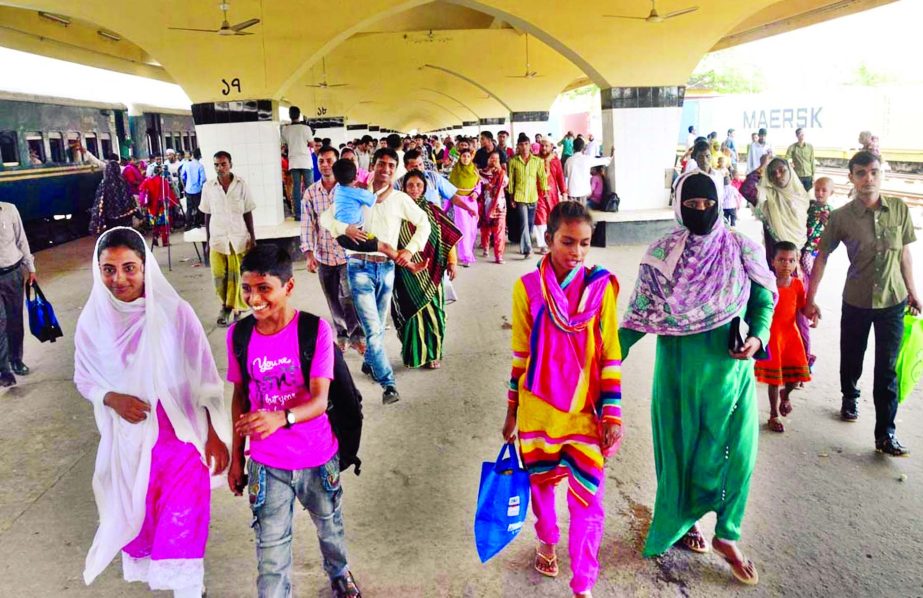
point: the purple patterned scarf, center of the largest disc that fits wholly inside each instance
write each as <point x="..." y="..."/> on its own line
<point x="689" y="284"/>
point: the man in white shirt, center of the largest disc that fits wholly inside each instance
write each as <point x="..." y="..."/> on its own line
<point x="592" y="147"/>
<point x="364" y="152"/>
<point x="15" y="256"/>
<point x="690" y="138"/>
<point x="371" y="275"/>
<point x="756" y="151"/>
<point x="228" y="207"/>
<point x="296" y="137"/>
<point x="577" y="172"/>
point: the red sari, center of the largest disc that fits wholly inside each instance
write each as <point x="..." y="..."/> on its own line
<point x="556" y="189"/>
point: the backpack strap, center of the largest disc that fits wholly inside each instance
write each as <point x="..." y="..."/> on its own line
<point x="308" y="325"/>
<point x="240" y="341"/>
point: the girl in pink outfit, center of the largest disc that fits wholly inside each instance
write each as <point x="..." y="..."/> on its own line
<point x="466" y="178"/>
<point x="144" y="362"/>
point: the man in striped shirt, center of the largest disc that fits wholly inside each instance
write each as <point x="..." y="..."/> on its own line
<point x="527" y="174"/>
<point x="325" y="256"/>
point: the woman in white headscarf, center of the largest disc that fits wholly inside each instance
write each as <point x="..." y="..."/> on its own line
<point x="143" y="361"/>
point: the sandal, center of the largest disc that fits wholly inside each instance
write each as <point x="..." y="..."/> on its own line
<point x="785" y="404"/>
<point x="433" y="365"/>
<point x="547" y="566"/>
<point x="223" y="319"/>
<point x="775" y="424"/>
<point x="694" y="541"/>
<point x="739" y="566"/>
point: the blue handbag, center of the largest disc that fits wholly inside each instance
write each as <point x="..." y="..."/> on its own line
<point x="503" y="500"/>
<point x="42" y="322"/>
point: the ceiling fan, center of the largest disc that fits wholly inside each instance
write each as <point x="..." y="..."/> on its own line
<point x="226" y="28"/>
<point x="323" y="83"/>
<point x="528" y="74"/>
<point x="656" y="17"/>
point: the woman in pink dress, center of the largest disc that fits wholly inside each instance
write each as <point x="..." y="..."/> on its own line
<point x="466" y="178"/>
<point x="143" y="360"/>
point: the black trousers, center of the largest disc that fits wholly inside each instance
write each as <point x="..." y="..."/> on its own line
<point x="194" y="218"/>
<point x="11" y="326"/>
<point x="855" y="325"/>
<point x="335" y="284"/>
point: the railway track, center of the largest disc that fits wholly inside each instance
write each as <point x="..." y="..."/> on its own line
<point x="896" y="185"/>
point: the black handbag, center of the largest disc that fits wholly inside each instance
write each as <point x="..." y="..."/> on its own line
<point x="42" y="320"/>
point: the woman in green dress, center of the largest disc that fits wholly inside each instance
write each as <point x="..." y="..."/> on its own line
<point x="418" y="304"/>
<point x="692" y="287"/>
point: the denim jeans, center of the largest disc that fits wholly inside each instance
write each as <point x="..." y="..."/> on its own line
<point x="300" y="176"/>
<point x="854" y="335"/>
<point x="371" y="284"/>
<point x="527" y="222"/>
<point x="272" y="498"/>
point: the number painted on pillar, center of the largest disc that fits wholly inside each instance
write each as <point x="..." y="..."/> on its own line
<point x="321" y="111"/>
<point x="235" y="83"/>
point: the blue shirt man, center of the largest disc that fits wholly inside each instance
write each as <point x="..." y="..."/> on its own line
<point x="438" y="189"/>
<point x="193" y="176"/>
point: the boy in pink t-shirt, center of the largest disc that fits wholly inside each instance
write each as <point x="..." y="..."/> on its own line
<point x="293" y="451"/>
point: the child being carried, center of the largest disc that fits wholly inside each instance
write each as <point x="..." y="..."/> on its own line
<point x="347" y="208"/>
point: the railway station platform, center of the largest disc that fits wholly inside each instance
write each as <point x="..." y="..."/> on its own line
<point x="827" y="516"/>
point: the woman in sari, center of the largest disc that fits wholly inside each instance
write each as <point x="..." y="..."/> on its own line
<point x="692" y="286"/>
<point x="781" y="202"/>
<point x="466" y="178"/>
<point x="547" y="200"/>
<point x="418" y="305"/>
<point x="114" y="203"/>
<point x="143" y="360"/>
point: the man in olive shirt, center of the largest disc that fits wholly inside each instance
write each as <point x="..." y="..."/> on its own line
<point x="801" y="155"/>
<point x="877" y="232"/>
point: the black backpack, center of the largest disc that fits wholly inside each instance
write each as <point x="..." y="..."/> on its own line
<point x="611" y="203"/>
<point x="344" y="402"/>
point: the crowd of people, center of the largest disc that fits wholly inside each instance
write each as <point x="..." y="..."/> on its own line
<point x="386" y="227"/>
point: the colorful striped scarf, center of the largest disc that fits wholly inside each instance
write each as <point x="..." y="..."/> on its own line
<point x="559" y="333"/>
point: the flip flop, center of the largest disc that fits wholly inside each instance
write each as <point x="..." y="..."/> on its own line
<point x="738" y="565"/>
<point x="785" y="403"/>
<point x="547" y="566"/>
<point x="776" y="425"/>
<point x="694" y="541"/>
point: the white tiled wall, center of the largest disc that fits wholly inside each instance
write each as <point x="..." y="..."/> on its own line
<point x="256" y="156"/>
<point x="645" y="145"/>
<point x="530" y="129"/>
<point x="337" y="135"/>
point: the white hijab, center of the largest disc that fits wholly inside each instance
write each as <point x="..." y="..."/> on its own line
<point x="153" y="348"/>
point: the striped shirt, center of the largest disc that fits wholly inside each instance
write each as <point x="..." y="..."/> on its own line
<point x="523" y="176"/>
<point x="313" y="236"/>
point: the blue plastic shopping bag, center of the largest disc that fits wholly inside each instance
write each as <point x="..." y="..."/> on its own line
<point x="503" y="500"/>
<point x="42" y="321"/>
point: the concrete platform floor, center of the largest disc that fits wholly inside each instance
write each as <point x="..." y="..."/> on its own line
<point x="827" y="516"/>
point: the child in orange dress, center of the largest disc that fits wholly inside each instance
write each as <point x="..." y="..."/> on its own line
<point x="787" y="365"/>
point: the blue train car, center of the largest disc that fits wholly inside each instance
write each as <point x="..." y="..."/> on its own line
<point x="49" y="180"/>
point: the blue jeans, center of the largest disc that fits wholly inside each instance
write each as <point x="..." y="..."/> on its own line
<point x="371" y="284"/>
<point x="527" y="216"/>
<point x="272" y="498"/>
<point x="299" y="176"/>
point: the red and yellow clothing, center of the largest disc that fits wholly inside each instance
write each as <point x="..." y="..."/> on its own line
<point x="787" y="362"/>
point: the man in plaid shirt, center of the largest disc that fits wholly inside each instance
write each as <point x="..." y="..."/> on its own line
<point x="325" y="256"/>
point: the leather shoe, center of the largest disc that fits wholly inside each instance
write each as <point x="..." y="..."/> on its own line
<point x="849" y="412"/>
<point x="890" y="446"/>
<point x="19" y="368"/>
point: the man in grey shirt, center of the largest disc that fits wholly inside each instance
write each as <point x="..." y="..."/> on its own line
<point x="14" y="254"/>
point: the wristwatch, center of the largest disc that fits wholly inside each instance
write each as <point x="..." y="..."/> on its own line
<point x="289" y="418"/>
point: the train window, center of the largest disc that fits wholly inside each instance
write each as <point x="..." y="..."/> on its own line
<point x="91" y="145"/>
<point x="168" y="141"/>
<point x="9" y="148"/>
<point x="186" y="144"/>
<point x="36" y="148"/>
<point x="56" y="146"/>
<point x="194" y="141"/>
<point x="105" y="141"/>
<point x="73" y="143"/>
<point x="177" y="142"/>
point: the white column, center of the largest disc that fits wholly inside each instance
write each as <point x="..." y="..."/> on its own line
<point x="255" y="149"/>
<point x="642" y="124"/>
<point x="529" y="123"/>
<point x="356" y="131"/>
<point x="332" y="127"/>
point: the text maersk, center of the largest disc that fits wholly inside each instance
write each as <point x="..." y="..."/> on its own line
<point x="783" y="118"/>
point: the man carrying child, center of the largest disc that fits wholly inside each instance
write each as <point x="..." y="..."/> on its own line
<point x="370" y="267"/>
